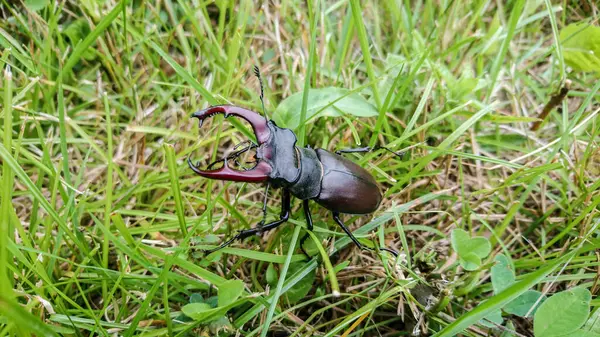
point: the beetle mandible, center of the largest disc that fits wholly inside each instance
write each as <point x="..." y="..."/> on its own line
<point x="327" y="178"/>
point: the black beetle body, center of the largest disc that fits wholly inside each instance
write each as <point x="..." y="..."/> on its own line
<point x="329" y="179"/>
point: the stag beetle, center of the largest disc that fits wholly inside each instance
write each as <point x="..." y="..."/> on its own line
<point x="331" y="180"/>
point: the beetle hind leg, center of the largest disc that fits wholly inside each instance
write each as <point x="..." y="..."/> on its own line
<point x="336" y="217"/>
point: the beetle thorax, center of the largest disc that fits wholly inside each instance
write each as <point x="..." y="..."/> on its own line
<point x="297" y="169"/>
<point x="279" y="151"/>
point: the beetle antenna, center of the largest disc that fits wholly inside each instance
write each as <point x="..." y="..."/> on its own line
<point x="262" y="92"/>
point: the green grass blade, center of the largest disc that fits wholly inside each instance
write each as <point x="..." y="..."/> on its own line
<point x="108" y="198"/>
<point x="8" y="42"/>
<point x="357" y="14"/>
<point x="419" y="109"/>
<point x="174" y="177"/>
<point x="6" y="190"/>
<point x="92" y="37"/>
<point x="370" y="306"/>
<point x="255" y="255"/>
<point x="23" y="320"/>
<point x="557" y="44"/>
<point x="515" y="14"/>
<point x="335" y="287"/>
<point x="340" y="244"/>
<point x="443" y="146"/>
<point x="278" y="289"/>
<point x="63" y="131"/>
<point x="313" y="15"/>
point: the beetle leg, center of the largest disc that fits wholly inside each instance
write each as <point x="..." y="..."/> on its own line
<point x="309" y="226"/>
<point x="369" y="149"/>
<point x="336" y="217"/>
<point x="235" y="155"/>
<point x="354" y="150"/>
<point x="264" y="209"/>
<point x="245" y="233"/>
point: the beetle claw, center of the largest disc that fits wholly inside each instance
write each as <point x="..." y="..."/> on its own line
<point x="258" y="122"/>
<point x="258" y="173"/>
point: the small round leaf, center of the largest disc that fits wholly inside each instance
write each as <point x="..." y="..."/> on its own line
<point x="521" y="305"/>
<point x="563" y="313"/>
<point x="470" y="261"/>
<point x="229" y="291"/>
<point x="502" y="274"/>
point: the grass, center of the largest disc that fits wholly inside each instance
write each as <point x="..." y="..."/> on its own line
<point x="102" y="220"/>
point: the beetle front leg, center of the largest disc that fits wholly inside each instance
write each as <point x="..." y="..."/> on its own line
<point x="245" y="233"/>
<point x="309" y="226"/>
<point x="336" y="217"/>
<point x="264" y="209"/>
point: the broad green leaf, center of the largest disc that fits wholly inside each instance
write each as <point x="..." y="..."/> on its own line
<point x="521" y="305"/>
<point x="581" y="46"/>
<point x="213" y="301"/>
<point x="229" y="291"/>
<point x="457" y="237"/>
<point x="464" y="86"/>
<point x="502" y="274"/>
<point x="36" y="5"/>
<point x="329" y="101"/>
<point x="563" y="313"/>
<point x="300" y="289"/>
<point x="480" y="246"/>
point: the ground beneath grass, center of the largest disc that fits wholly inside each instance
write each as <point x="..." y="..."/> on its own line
<point x="491" y="197"/>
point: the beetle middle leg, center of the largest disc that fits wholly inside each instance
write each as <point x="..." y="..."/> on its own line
<point x="245" y="233"/>
<point x="336" y="217"/>
<point x="309" y="226"/>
